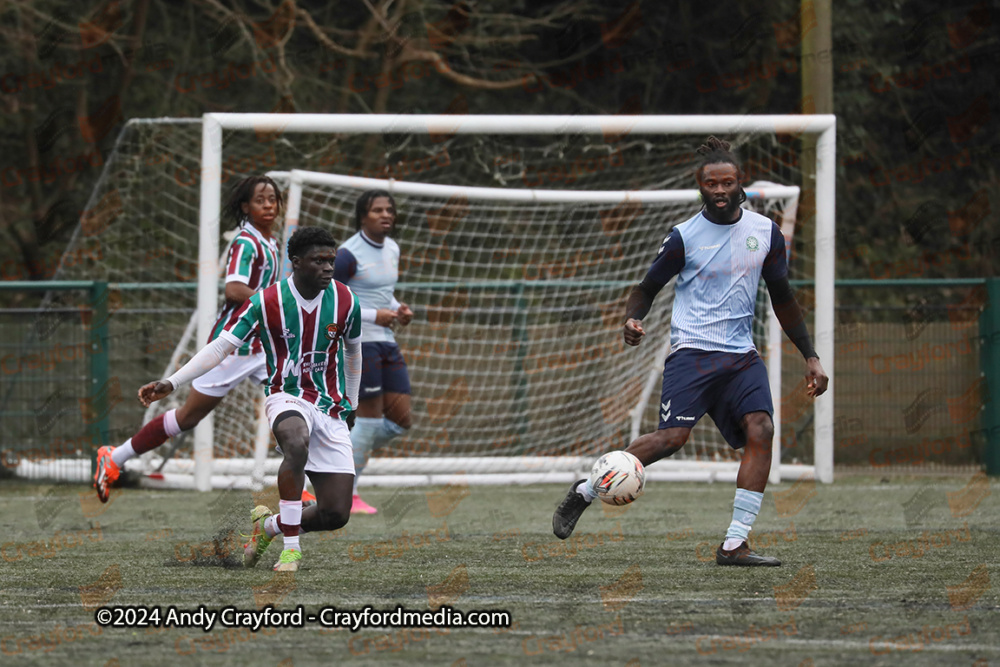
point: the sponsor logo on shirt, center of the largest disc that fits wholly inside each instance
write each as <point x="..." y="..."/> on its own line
<point x="307" y="365"/>
<point x="286" y="333"/>
<point x="709" y="247"/>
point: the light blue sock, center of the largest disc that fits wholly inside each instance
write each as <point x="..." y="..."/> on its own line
<point x="388" y="431"/>
<point x="746" y="506"/>
<point x="362" y="438"/>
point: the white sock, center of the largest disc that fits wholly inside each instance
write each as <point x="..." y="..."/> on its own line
<point x="583" y="488"/>
<point x="731" y="543"/>
<point x="122" y="454"/>
<point x="290" y="512"/>
<point x="170" y="425"/>
<point x="271" y="525"/>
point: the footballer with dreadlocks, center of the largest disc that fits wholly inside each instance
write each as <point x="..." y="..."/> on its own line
<point x="718" y="257"/>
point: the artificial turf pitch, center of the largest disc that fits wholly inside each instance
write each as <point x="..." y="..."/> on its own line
<point x="875" y="571"/>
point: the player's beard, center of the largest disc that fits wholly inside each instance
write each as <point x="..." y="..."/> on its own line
<point x="715" y="213"/>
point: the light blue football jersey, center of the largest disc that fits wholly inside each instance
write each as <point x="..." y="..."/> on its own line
<point x="716" y="291"/>
<point x="371" y="270"/>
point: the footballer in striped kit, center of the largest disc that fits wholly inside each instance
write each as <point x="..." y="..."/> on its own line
<point x="254" y="204"/>
<point x="310" y="331"/>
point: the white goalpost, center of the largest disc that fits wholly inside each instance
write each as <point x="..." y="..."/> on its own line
<point x="438" y="469"/>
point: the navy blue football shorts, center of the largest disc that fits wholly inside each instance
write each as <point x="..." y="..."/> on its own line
<point x="724" y="385"/>
<point x="382" y="370"/>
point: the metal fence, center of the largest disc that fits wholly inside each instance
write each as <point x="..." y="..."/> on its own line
<point x="914" y="365"/>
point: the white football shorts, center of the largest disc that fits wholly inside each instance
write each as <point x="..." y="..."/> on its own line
<point x="234" y="369"/>
<point x="329" y="438"/>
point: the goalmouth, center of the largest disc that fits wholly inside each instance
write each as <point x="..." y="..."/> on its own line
<point x="435" y="469"/>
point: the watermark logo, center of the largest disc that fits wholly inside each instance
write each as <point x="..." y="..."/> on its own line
<point x="791" y="501"/>
<point x="399" y="504"/>
<point x="103" y="214"/>
<point x="277" y="27"/>
<point x="60" y="541"/>
<point x="101" y="591"/>
<point x="99" y="405"/>
<point x="791" y="595"/>
<point x="448" y="309"/>
<point x="449" y="590"/>
<point x="55" y="500"/>
<point x="880" y="551"/>
<point x="924" y="406"/>
<point x="964" y="32"/>
<point x="615" y="221"/>
<point x="965" y="125"/>
<point x="99" y="124"/>
<point x="279" y="587"/>
<point x="91" y="505"/>
<point x="615" y="596"/>
<point x="54" y="126"/>
<point x="442" y="220"/>
<point x="395" y="548"/>
<point x="106" y="20"/>
<point x="920" y="504"/>
<point x="917" y="641"/>
<point x="441" y="409"/>
<point x="751" y="31"/>
<point x="568" y="642"/>
<point x="744" y="641"/>
<point x="965" y="500"/>
<point x="615" y="33"/>
<point x="963" y="409"/>
<point x="49" y="412"/>
<point x="225" y="36"/>
<point x="962" y="221"/>
<point x="51" y="36"/>
<point x="443" y="33"/>
<point x="966" y="313"/>
<point x="569" y="548"/>
<point x="963" y="596"/>
<point x="443" y="502"/>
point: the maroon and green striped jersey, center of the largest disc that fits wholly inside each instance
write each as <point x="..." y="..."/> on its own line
<point x="302" y="340"/>
<point x="253" y="261"/>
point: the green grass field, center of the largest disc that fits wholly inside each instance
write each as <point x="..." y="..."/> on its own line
<point x="876" y="571"/>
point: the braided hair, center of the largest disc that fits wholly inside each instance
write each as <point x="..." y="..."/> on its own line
<point x="716" y="151"/>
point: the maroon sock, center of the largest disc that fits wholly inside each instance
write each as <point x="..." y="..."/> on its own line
<point x="150" y="436"/>
<point x="290" y="531"/>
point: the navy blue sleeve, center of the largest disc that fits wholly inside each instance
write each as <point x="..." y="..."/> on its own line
<point x="669" y="260"/>
<point x="345" y="266"/>
<point x="776" y="262"/>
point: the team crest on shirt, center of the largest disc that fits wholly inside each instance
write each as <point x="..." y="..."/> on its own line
<point x="752" y="243"/>
<point x="331" y="331"/>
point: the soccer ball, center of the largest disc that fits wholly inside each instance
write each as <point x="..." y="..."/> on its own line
<point x="618" y="478"/>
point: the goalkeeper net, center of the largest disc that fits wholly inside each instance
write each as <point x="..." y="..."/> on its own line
<point x="515" y="349"/>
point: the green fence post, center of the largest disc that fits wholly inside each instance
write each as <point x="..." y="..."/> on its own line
<point x="96" y="412"/>
<point x="989" y="331"/>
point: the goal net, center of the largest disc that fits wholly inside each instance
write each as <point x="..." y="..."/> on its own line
<point x="518" y="283"/>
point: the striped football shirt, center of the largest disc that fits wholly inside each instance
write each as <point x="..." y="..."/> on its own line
<point x="302" y="340"/>
<point x="253" y="261"/>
